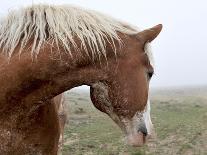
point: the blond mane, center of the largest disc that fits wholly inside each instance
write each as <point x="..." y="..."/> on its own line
<point x="58" y="25"/>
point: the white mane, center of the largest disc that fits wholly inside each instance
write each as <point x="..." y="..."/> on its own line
<point x="59" y="25"/>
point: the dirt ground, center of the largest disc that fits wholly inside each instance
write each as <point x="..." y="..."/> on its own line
<point x="179" y="116"/>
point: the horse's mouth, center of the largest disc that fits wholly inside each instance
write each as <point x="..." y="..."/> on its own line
<point x="136" y="140"/>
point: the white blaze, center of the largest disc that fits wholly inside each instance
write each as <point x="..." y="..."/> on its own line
<point x="147" y="118"/>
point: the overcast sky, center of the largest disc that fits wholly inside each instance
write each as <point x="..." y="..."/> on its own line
<point x="180" y="51"/>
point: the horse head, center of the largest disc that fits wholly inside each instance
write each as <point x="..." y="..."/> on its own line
<point x="124" y="94"/>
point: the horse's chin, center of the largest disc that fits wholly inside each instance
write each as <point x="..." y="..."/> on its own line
<point x="136" y="139"/>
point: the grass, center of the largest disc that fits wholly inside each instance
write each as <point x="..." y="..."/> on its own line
<point x="180" y="121"/>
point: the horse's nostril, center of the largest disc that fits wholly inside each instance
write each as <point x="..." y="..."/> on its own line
<point x="143" y="129"/>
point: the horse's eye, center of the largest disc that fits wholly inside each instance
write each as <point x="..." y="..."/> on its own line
<point x="150" y="74"/>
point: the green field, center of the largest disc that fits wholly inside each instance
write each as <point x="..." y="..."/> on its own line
<point x="179" y="117"/>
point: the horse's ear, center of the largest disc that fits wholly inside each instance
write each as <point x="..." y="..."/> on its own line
<point x="149" y="35"/>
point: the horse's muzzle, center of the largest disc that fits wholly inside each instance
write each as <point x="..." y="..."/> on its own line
<point x="136" y="140"/>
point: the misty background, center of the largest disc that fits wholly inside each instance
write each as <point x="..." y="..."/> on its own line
<point x="180" y="50"/>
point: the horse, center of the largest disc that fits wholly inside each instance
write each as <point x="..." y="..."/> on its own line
<point x="46" y="50"/>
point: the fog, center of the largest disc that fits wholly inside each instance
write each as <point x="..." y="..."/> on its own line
<point x="179" y="51"/>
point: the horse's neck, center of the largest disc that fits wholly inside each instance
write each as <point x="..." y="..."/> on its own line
<point x="52" y="72"/>
<point x="25" y="93"/>
<point x="31" y="82"/>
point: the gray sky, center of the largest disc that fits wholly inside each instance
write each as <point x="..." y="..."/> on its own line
<point x="180" y="52"/>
